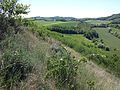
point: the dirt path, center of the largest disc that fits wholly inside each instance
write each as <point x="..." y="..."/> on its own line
<point x="105" y="81"/>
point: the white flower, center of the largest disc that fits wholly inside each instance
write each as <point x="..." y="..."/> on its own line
<point x="61" y="59"/>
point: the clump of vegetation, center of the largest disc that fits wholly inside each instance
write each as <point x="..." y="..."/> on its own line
<point x="111" y="62"/>
<point x="102" y="46"/>
<point x="99" y="59"/>
<point x="91" y="84"/>
<point x="91" y="34"/>
<point x="10" y="16"/>
<point x="14" y="68"/>
<point x="63" y="69"/>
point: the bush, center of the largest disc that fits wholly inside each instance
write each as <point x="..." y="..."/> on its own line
<point x="14" y="68"/>
<point x="91" y="34"/>
<point x="107" y="48"/>
<point x="99" y="59"/>
<point x="102" y="46"/>
<point x="63" y="70"/>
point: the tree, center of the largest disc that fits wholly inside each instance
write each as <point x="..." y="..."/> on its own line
<point x="10" y="16"/>
<point x="10" y="8"/>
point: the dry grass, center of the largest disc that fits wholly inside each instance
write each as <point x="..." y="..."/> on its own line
<point x="91" y="71"/>
<point x="105" y="80"/>
<point x="38" y="49"/>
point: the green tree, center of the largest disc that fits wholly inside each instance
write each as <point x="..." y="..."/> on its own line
<point x="10" y="16"/>
<point x="10" y="8"/>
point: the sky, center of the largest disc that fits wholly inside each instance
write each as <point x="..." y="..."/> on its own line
<point x="72" y="8"/>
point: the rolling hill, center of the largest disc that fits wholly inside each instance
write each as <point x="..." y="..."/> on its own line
<point x="112" y="17"/>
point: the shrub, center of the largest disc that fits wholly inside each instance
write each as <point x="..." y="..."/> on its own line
<point x="63" y="70"/>
<point x="91" y="84"/>
<point x="107" y="48"/>
<point x="102" y="46"/>
<point x="14" y="68"/>
<point x="99" y="59"/>
<point x="91" y="34"/>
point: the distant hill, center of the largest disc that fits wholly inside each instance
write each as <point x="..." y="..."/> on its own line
<point x="56" y="18"/>
<point x="112" y="17"/>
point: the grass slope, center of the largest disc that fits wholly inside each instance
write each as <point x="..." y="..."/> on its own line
<point x="97" y="22"/>
<point x="108" y="39"/>
<point x="91" y="72"/>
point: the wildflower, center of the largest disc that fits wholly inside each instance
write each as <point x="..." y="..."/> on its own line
<point x="72" y="86"/>
<point x="78" y="60"/>
<point x="16" y="53"/>
<point x="61" y="59"/>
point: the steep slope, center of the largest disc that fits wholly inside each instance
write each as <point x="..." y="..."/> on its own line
<point x="37" y="52"/>
<point x="88" y="71"/>
<point x="103" y="79"/>
<point x="34" y="49"/>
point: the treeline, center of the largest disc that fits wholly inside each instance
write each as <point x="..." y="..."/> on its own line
<point x="114" y="24"/>
<point x="100" y="26"/>
<point x="80" y="28"/>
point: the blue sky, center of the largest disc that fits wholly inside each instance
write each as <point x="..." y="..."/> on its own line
<point x="73" y="8"/>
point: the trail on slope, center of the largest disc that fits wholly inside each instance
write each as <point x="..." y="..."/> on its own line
<point x="105" y="80"/>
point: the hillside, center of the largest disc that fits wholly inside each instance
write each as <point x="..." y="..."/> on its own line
<point x="112" y="17"/>
<point x="57" y="53"/>
<point x="38" y="47"/>
<point x="56" y="18"/>
<point x="31" y="51"/>
<point x="38" y="44"/>
<point x="97" y="49"/>
<point x="89" y="70"/>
